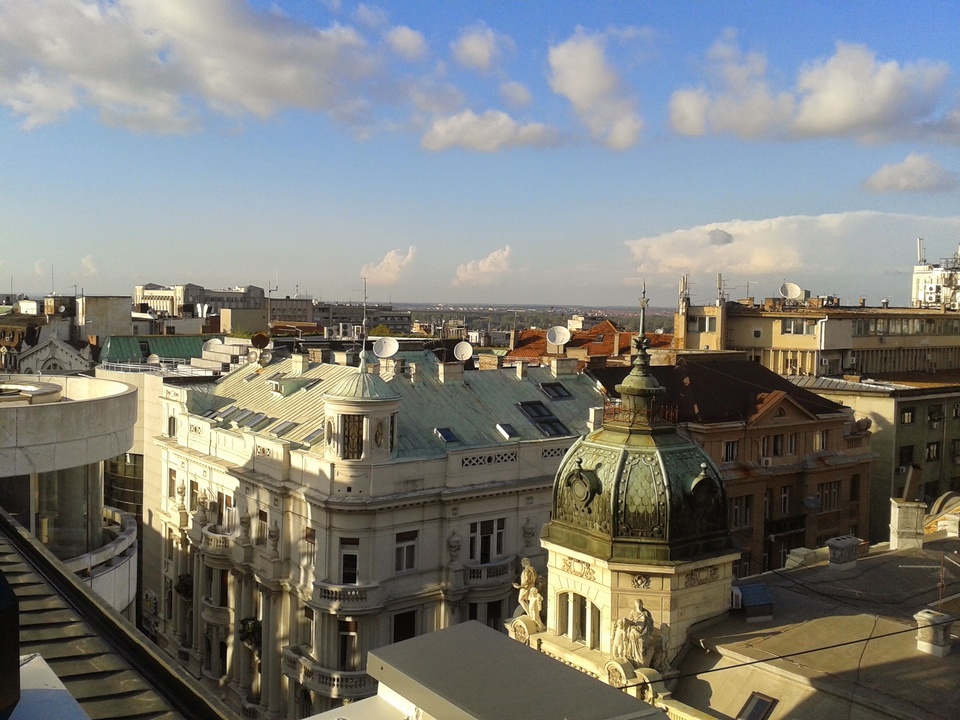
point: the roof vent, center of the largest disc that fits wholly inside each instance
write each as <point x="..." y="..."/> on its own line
<point x="843" y="552"/>
<point x="933" y="632"/>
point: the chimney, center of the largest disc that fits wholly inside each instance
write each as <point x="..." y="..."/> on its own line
<point x="843" y="552"/>
<point x="563" y="366"/>
<point x="616" y="345"/>
<point x="413" y="371"/>
<point x="450" y="372"/>
<point x="906" y="524"/>
<point x="594" y="418"/>
<point x="513" y="339"/>
<point x="299" y="363"/>
<point x="521" y="370"/>
<point x="933" y="632"/>
<point x="489" y="361"/>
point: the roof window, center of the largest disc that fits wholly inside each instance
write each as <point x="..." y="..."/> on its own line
<point x="507" y="430"/>
<point x="543" y="418"/>
<point x="284" y="427"/>
<point x="312" y="437"/>
<point x="555" y="391"/>
<point x="757" y="707"/>
<point x="446" y="434"/>
<point x="533" y="409"/>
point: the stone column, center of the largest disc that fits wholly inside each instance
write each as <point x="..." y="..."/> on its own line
<point x="275" y="671"/>
<point x="195" y="601"/>
<point x="267" y="658"/>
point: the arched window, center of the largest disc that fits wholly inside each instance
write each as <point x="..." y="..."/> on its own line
<point x="172" y="426"/>
<point x="578" y="619"/>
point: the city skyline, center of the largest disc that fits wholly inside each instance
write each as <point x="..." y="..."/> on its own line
<point x="478" y="152"/>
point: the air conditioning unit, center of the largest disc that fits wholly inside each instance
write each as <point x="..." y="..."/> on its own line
<point x="736" y="598"/>
<point x="824" y="361"/>
<point x="934" y="424"/>
<point x="766" y="462"/>
<point x="901" y="470"/>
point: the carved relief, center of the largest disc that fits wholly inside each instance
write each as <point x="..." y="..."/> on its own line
<point x="641" y="582"/>
<point x="578" y="568"/>
<point x="701" y="576"/>
<point x="581" y="496"/>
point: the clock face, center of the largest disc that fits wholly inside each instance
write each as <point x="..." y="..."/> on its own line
<point x="378" y="433"/>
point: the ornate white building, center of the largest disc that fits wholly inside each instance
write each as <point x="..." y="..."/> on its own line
<point x="312" y="512"/>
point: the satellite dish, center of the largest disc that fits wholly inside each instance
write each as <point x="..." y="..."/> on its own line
<point x="252" y="355"/>
<point x="260" y="340"/>
<point x="558" y="335"/>
<point x="153" y="359"/>
<point x="386" y="347"/>
<point x="791" y="291"/>
<point x="265" y="357"/>
<point x="212" y="343"/>
<point x="463" y="351"/>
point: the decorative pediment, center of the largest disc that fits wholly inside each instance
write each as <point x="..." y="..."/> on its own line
<point x="777" y="407"/>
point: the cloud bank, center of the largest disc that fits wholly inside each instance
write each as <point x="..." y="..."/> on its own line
<point x="389" y="270"/>
<point x="917" y="173"/>
<point x="486" y="271"/>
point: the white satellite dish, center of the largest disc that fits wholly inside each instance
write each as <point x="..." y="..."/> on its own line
<point x="212" y="343"/>
<point x="791" y="291"/>
<point x="253" y="355"/>
<point x="265" y="357"/>
<point x="153" y="359"/>
<point x="463" y="351"/>
<point x="558" y="335"/>
<point x="386" y="347"/>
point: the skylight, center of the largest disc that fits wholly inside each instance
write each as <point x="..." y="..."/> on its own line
<point x="543" y="418"/>
<point x="555" y="391"/>
<point x="446" y="434"/>
<point x="507" y="430"/>
<point x="312" y="437"/>
<point x="284" y="427"/>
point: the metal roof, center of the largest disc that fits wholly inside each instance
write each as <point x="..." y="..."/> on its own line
<point x="127" y="348"/>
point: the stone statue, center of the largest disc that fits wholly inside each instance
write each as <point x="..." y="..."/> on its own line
<point x="528" y="582"/>
<point x="633" y="635"/>
<point x="535" y="606"/>
<point x="661" y="658"/>
<point x="453" y="546"/>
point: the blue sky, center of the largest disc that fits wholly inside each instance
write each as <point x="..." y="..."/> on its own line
<point x="494" y="152"/>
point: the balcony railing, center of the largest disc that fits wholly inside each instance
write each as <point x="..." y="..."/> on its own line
<point x="215" y="542"/>
<point x="330" y="683"/>
<point x="494" y="573"/>
<point x="355" y="598"/>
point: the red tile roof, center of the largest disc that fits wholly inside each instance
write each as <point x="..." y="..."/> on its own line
<point x="598" y="341"/>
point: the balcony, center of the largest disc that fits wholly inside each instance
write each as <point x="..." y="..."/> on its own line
<point x="216" y="542"/>
<point x="214" y="614"/>
<point x="497" y="572"/>
<point x="347" y="598"/>
<point x="349" y="685"/>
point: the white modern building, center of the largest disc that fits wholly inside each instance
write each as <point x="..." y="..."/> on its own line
<point x="312" y="512"/>
<point x="54" y="437"/>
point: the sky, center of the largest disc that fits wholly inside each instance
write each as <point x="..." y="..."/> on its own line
<point x="478" y="152"/>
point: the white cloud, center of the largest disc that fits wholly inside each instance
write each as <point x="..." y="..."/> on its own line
<point x="515" y="94"/>
<point x="389" y="270"/>
<point x="740" y="103"/>
<point x="851" y="252"/>
<point x="850" y="94"/>
<point x="408" y="44"/>
<point x="917" y="173"/>
<point x="479" y="48"/>
<point x="492" y="131"/>
<point x="370" y="16"/>
<point x="579" y="71"/>
<point x="88" y="265"/>
<point x="486" y="271"/>
<point x="854" y="94"/>
<point x="40" y="268"/>
<point x="138" y="61"/>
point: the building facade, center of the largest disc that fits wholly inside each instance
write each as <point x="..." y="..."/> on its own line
<point x="311" y="512"/>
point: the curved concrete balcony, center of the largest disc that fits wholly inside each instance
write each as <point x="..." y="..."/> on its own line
<point x="214" y="614"/>
<point x="499" y="572"/>
<point x="329" y="683"/>
<point x="111" y="570"/>
<point x="347" y="598"/>
<point x="215" y="542"/>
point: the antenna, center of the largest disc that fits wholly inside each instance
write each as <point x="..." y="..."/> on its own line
<point x="386" y="347"/>
<point x="463" y="351"/>
<point x="558" y="335"/>
<point x="791" y="291"/>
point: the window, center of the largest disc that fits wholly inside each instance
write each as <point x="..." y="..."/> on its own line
<point x="855" y="488"/>
<point x="405" y="553"/>
<point x="170" y="543"/>
<point x="495" y="614"/>
<point x="194" y="494"/>
<point x="172" y="484"/>
<point x="171" y="426"/>
<point x="309" y="547"/>
<point x="730" y="450"/>
<point x="349" y="646"/>
<point x="785" y="500"/>
<point x="740" y="511"/>
<point x="349" y="561"/>
<point x="798" y="326"/>
<point x="262" y="529"/>
<point x="352" y="437"/>
<point x="778" y="445"/>
<point x="905" y="455"/>
<point x="756" y="333"/>
<point x="486" y="540"/>
<point x="933" y="451"/>
<point x="935" y="413"/>
<point x="702" y="324"/>
<point x="821" y="440"/>
<point x="906" y="415"/>
<point x="307" y="628"/>
<point x="828" y="495"/>
<point x="757" y="707"/>
<point x="579" y="619"/>
<point x="404" y="625"/>
<point x="543" y="418"/>
<point x="284" y="427"/>
<point x="309" y="439"/>
<point x="446" y="434"/>
<point x="792" y="444"/>
<point x="555" y="391"/>
<point x="507" y="430"/>
<point x="767" y="503"/>
<point x="956" y="410"/>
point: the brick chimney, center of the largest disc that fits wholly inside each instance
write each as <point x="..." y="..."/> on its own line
<point x="906" y="524"/>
